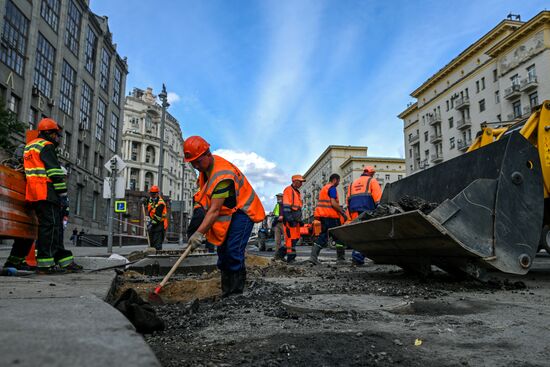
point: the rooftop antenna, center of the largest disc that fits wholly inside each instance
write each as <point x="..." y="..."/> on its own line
<point x="516" y="16"/>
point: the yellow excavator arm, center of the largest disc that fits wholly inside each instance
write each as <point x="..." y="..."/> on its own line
<point x="536" y="129"/>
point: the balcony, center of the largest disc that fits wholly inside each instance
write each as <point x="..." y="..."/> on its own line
<point x="437" y="158"/>
<point x="529" y="84"/>
<point x="434" y="118"/>
<point x="463" y="145"/>
<point x="436" y="138"/>
<point x="513" y="116"/>
<point x="527" y="110"/>
<point x="464" y="123"/>
<point x="462" y="103"/>
<point x="512" y="92"/>
<point x="413" y="138"/>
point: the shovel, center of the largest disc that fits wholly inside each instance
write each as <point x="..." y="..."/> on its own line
<point x="154" y="296"/>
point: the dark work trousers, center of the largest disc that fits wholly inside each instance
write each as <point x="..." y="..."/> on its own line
<point x="49" y="248"/>
<point x="20" y="249"/>
<point x="156" y="236"/>
<point x="231" y="251"/>
<point x="326" y="224"/>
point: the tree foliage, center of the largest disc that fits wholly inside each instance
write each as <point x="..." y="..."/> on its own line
<point x="8" y="127"/>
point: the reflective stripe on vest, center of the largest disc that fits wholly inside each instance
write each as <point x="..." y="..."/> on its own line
<point x="359" y="196"/>
<point x="246" y="199"/>
<point x="292" y="204"/>
<point x="324" y="207"/>
<point x="35" y="171"/>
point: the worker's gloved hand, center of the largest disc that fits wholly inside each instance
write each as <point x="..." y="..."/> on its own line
<point x="196" y="240"/>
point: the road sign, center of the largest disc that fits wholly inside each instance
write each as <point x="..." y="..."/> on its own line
<point x="119" y="163"/>
<point x="120" y="206"/>
<point x="119" y="188"/>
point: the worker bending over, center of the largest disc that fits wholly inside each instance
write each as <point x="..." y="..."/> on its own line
<point x="292" y="219"/>
<point x="232" y="207"/>
<point x="47" y="193"/>
<point x="329" y="213"/>
<point x="364" y="194"/>
<point x="158" y="218"/>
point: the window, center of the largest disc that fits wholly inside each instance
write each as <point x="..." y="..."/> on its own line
<point x="49" y="10"/>
<point x="90" y="51"/>
<point x="451" y="122"/>
<point x="148" y="181"/>
<point x="43" y="71"/>
<point x="134" y="152"/>
<point x="72" y="33"/>
<point x="85" y="106"/>
<point x="516" y="106"/>
<point x="13" y="104"/>
<point x="150" y="155"/>
<point x="78" y="209"/>
<point x="410" y="150"/>
<point x="515" y="79"/>
<point x="68" y="77"/>
<point x="399" y="177"/>
<point x="477" y="86"/>
<point x="533" y="100"/>
<point x="116" y="86"/>
<point x="425" y="136"/>
<point x="427" y="153"/>
<point x="14" y="38"/>
<point x="95" y="201"/>
<point x="497" y="97"/>
<point x="482" y="105"/>
<point x="531" y="72"/>
<point x="452" y="143"/>
<point x="113" y="136"/>
<point x="85" y="156"/>
<point x="447" y="102"/>
<point x="499" y="117"/>
<point x="483" y="83"/>
<point x="495" y="75"/>
<point x="104" y="71"/>
<point x="67" y="142"/>
<point x="101" y="111"/>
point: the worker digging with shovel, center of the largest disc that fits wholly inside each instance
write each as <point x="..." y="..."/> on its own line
<point x="231" y="208"/>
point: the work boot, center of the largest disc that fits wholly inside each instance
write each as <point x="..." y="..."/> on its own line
<point x="280" y="254"/>
<point x="314" y="257"/>
<point x="73" y="268"/>
<point x="52" y="270"/>
<point x="226" y="283"/>
<point x="340" y="255"/>
<point x="240" y="281"/>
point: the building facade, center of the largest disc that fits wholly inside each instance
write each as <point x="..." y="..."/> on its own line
<point x="496" y="81"/>
<point x="141" y="151"/>
<point x="57" y="59"/>
<point x="348" y="162"/>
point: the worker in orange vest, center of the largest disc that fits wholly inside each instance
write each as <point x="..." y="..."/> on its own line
<point x="292" y="219"/>
<point x="364" y="194"/>
<point x="157" y="218"/>
<point x="47" y="193"/>
<point x="329" y="213"/>
<point x="232" y="207"/>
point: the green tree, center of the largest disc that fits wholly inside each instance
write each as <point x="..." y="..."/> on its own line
<point x="8" y="127"/>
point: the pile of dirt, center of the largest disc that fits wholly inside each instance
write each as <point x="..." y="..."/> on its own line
<point x="404" y="204"/>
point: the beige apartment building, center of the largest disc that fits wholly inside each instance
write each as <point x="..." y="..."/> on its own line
<point x="497" y="80"/>
<point x="348" y="162"/>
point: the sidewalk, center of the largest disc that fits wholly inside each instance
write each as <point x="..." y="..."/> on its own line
<point x="62" y="320"/>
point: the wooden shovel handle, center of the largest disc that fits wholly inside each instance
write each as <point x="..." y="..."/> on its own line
<point x="182" y="257"/>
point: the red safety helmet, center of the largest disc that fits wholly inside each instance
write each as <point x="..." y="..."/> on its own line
<point x="154" y="189"/>
<point x="194" y="147"/>
<point x="369" y="170"/>
<point x="48" y="124"/>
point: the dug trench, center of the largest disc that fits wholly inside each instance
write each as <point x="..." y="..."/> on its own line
<point x="339" y="315"/>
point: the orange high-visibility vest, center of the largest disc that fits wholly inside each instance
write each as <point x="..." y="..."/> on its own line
<point x="152" y="209"/>
<point x="363" y="194"/>
<point x="292" y="204"/>
<point x="324" y="209"/>
<point x="35" y="171"/>
<point x="246" y="199"/>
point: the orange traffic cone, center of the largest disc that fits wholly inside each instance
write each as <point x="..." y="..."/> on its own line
<point x="31" y="257"/>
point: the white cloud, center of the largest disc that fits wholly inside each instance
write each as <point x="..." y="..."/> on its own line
<point x="264" y="175"/>
<point x="173" y="98"/>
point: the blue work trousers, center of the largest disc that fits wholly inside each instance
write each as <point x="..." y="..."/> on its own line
<point x="231" y="251"/>
<point x="326" y="224"/>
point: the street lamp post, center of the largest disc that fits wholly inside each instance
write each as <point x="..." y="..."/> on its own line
<point x="163" y="96"/>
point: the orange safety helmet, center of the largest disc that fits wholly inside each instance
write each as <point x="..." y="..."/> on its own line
<point x="369" y="170"/>
<point x="154" y="189"/>
<point x="47" y="124"/>
<point x="194" y="147"/>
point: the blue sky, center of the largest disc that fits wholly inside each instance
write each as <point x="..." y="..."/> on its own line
<point x="272" y="83"/>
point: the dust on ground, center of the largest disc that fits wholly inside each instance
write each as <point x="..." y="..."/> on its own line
<point x="447" y="323"/>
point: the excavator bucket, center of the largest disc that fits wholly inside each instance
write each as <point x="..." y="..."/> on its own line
<point x="489" y="214"/>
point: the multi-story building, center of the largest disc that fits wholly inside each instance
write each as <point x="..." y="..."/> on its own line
<point x="497" y="80"/>
<point x="57" y="59"/>
<point x="141" y="151"/>
<point x="348" y="162"/>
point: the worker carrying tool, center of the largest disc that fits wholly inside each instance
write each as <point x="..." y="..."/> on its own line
<point x="292" y="219"/>
<point x="277" y="224"/>
<point x="157" y="218"/>
<point x="329" y="212"/>
<point x="47" y="192"/>
<point x="364" y="194"/>
<point x="232" y="207"/>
